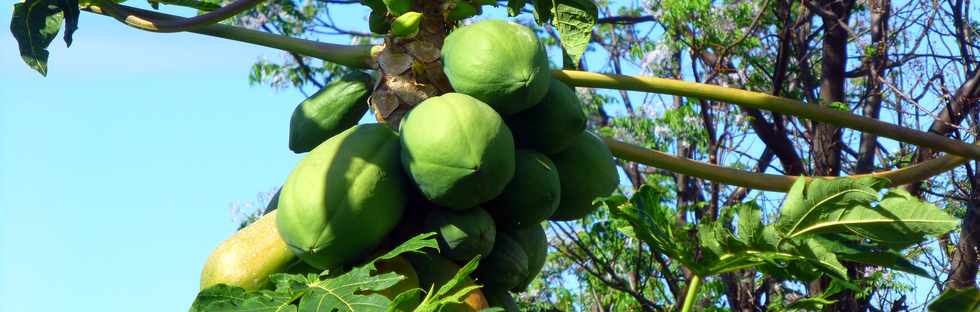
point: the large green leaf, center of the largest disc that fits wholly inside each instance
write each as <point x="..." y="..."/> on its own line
<point x="574" y="20"/>
<point x="957" y="300"/>
<point x="35" y="24"/>
<point x="750" y="224"/>
<point x="852" y="248"/>
<point x="811" y="204"/>
<point x="899" y="219"/>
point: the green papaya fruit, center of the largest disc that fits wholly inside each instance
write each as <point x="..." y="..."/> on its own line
<point x="551" y="125"/>
<point x="248" y="257"/>
<point x="532" y="194"/>
<point x="344" y="197"/>
<point x="335" y="108"/>
<point x="506" y="266"/>
<point x="457" y="150"/>
<point x="462" y="235"/>
<point x="501" y="63"/>
<point x="434" y="271"/>
<point x="587" y="171"/>
<point x="500" y="298"/>
<point x="535" y="244"/>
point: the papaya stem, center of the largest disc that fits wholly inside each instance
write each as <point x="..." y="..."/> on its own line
<point x="361" y="56"/>
<point x="149" y="23"/>
<point x="356" y="56"/>
<point x="771" y="103"/>
<point x="692" y="291"/>
<point x="769" y="182"/>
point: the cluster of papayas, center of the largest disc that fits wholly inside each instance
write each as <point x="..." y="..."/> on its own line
<point x="483" y="168"/>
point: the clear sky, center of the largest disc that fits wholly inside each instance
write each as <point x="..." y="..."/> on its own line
<point x="118" y="169"/>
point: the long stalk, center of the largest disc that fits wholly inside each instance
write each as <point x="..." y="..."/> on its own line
<point x="357" y="56"/>
<point x="771" y="103"/>
<point x="769" y="182"/>
<point x="362" y="57"/>
<point x="692" y="292"/>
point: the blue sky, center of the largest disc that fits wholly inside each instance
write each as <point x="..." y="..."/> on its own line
<point x="117" y="170"/>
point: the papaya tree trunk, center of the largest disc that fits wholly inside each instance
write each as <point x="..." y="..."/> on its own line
<point x="411" y="68"/>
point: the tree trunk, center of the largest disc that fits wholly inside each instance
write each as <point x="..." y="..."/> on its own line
<point x="411" y="68"/>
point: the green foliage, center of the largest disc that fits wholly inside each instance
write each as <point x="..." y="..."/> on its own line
<point x="957" y="300"/>
<point x="820" y="223"/>
<point x="35" y="23"/>
<point x="344" y="292"/>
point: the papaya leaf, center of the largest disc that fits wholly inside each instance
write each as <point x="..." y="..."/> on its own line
<point x="811" y="205"/>
<point x="219" y="297"/>
<point x="406" y="301"/>
<point x="749" y="222"/>
<point x="439" y="300"/>
<point x="818" y="254"/>
<point x="417" y="244"/>
<point x="899" y="219"/>
<point x="35" y="23"/>
<point x="854" y="250"/>
<point x="957" y="300"/>
<point x="352" y="291"/>
<point x="71" y="12"/>
<point x="574" y="20"/>
<point x="514" y="7"/>
<point x="398" y="7"/>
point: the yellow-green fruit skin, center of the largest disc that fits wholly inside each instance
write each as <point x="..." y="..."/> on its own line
<point x="553" y="124"/>
<point x="587" y="171"/>
<point x="333" y="109"/>
<point x="501" y="63"/>
<point x="401" y="267"/>
<point x="248" y="257"/>
<point x="457" y="150"/>
<point x="344" y="197"/>
<point x="532" y="194"/>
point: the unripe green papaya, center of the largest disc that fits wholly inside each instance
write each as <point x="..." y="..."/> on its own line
<point x="248" y="257"/>
<point x="500" y="298"/>
<point x="462" y="235"/>
<point x="535" y="243"/>
<point x="587" y="171"/>
<point x="344" y="197"/>
<point x="551" y="125"/>
<point x="531" y="196"/>
<point x="506" y="266"/>
<point x="435" y="270"/>
<point x="335" y="108"/>
<point x="457" y="150"/>
<point x="501" y="63"/>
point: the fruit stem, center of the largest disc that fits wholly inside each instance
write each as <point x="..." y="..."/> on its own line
<point x="149" y="23"/>
<point x="357" y="56"/>
<point x="771" y="103"/>
<point x="692" y="291"/>
<point x="769" y="182"/>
